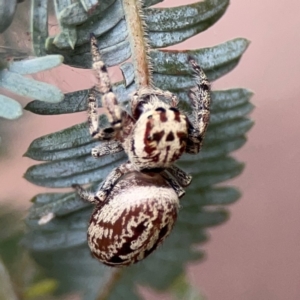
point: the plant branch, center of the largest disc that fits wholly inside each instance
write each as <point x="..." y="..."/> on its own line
<point x="6" y="290"/>
<point x="114" y="278"/>
<point x="139" y="46"/>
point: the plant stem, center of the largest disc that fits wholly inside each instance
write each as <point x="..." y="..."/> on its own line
<point x="6" y="289"/>
<point x="114" y="278"/>
<point x="138" y="42"/>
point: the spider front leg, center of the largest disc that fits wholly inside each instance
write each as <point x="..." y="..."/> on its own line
<point x="102" y="134"/>
<point x="200" y="100"/>
<point x="107" y="185"/>
<point x="109" y="101"/>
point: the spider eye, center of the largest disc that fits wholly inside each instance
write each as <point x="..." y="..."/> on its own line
<point x="149" y="138"/>
<point x="161" y="109"/>
<point x="174" y="109"/>
<point x="109" y="130"/>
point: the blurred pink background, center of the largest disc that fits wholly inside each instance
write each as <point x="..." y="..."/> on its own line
<point x="256" y="254"/>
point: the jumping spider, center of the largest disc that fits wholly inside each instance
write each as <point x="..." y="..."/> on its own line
<point x="137" y="204"/>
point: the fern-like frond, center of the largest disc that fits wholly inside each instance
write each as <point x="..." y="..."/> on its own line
<point x="60" y="244"/>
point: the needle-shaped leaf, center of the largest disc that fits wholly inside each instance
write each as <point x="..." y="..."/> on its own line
<point x="76" y="13"/>
<point x="36" y="65"/>
<point x="39" y="25"/>
<point x="175" y="18"/>
<point x="10" y="108"/>
<point x="80" y="56"/>
<point x="169" y="26"/>
<point x="79" y="170"/>
<point x="176" y="62"/>
<point x="29" y="87"/>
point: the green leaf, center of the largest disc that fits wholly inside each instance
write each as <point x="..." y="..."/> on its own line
<point x="39" y="25"/>
<point x="80" y="56"/>
<point x="35" y="65"/>
<point x="96" y="24"/>
<point x="60" y="204"/>
<point x="175" y="62"/>
<point x="175" y="18"/>
<point x="112" y="55"/>
<point x="127" y="69"/>
<point x="169" y="26"/>
<point x="61" y="233"/>
<point x="29" y="88"/>
<point x="9" y="108"/>
<point x="80" y="170"/>
<point x="76" y="13"/>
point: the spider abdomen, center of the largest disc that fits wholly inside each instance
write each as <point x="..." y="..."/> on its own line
<point x="135" y="219"/>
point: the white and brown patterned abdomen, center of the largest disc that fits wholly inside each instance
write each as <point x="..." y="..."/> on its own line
<point x="136" y="218"/>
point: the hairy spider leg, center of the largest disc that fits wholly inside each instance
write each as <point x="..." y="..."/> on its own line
<point x="112" y="178"/>
<point x="109" y="101"/>
<point x="110" y="147"/>
<point x="182" y="177"/>
<point x="84" y="194"/>
<point x="102" y="134"/>
<point x="174" y="184"/>
<point x="106" y="186"/>
<point x="200" y="101"/>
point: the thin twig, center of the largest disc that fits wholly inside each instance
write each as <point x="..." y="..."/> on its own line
<point x="107" y="289"/>
<point x="138" y="42"/>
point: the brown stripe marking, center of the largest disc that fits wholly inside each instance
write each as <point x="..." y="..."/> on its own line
<point x="157" y="136"/>
<point x="177" y="154"/>
<point x="163" y="117"/>
<point x="170" y="137"/>
<point x="148" y="149"/>
<point x="176" y="114"/>
<point x="182" y="136"/>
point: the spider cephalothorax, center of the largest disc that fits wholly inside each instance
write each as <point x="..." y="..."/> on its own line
<point x="136" y="205"/>
<point x="159" y="135"/>
<point x="156" y="133"/>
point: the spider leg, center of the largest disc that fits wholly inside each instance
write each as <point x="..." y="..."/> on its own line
<point x="200" y="100"/>
<point x="106" y="187"/>
<point x="111" y="180"/>
<point x="93" y="119"/>
<point x="110" y="147"/>
<point x="109" y="101"/>
<point x="183" y="178"/>
<point x="84" y="194"/>
<point x="174" y="184"/>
